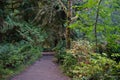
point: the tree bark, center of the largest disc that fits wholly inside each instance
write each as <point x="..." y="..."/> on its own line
<point x="69" y="15"/>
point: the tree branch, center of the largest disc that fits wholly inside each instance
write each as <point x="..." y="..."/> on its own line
<point x="63" y="6"/>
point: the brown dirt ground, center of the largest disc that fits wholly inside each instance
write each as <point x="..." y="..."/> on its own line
<point x="43" y="69"/>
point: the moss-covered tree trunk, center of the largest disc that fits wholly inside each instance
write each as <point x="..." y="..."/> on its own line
<point x="69" y="15"/>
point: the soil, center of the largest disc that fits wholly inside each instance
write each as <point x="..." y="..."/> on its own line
<point x="43" y="69"/>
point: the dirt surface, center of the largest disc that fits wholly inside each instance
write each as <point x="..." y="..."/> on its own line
<point x="44" y="69"/>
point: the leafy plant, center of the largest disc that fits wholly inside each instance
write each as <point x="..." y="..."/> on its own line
<point x="81" y="65"/>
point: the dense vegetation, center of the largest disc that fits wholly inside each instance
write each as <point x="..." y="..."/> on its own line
<point x="20" y="40"/>
<point x="84" y="33"/>
<point x="94" y="53"/>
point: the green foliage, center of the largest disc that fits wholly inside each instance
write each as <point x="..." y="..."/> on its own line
<point x="26" y="25"/>
<point x="82" y="65"/>
<point x="97" y="68"/>
<point x="13" y="56"/>
<point x="20" y="44"/>
<point x="60" y="56"/>
<point x="108" y="28"/>
<point x="32" y="33"/>
<point x="14" y="31"/>
<point x="68" y="63"/>
<point x="100" y="68"/>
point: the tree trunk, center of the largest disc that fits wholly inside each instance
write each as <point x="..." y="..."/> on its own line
<point x="96" y="22"/>
<point x="69" y="15"/>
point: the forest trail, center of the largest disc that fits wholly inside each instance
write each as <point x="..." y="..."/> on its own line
<point x="43" y="69"/>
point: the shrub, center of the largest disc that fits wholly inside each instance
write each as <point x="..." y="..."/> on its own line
<point x="12" y="56"/>
<point x="113" y="47"/>
<point x="81" y="46"/>
<point x="82" y="65"/>
<point x="98" y="68"/>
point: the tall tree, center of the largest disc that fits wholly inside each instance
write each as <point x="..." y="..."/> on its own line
<point x="69" y="15"/>
<point x="96" y="21"/>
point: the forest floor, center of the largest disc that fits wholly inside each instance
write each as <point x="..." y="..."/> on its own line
<point x="43" y="69"/>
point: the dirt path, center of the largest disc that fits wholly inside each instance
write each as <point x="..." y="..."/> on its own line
<point x="44" y="69"/>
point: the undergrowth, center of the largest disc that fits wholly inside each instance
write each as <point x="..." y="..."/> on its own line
<point x="20" y="45"/>
<point x="13" y="56"/>
<point x="81" y="63"/>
